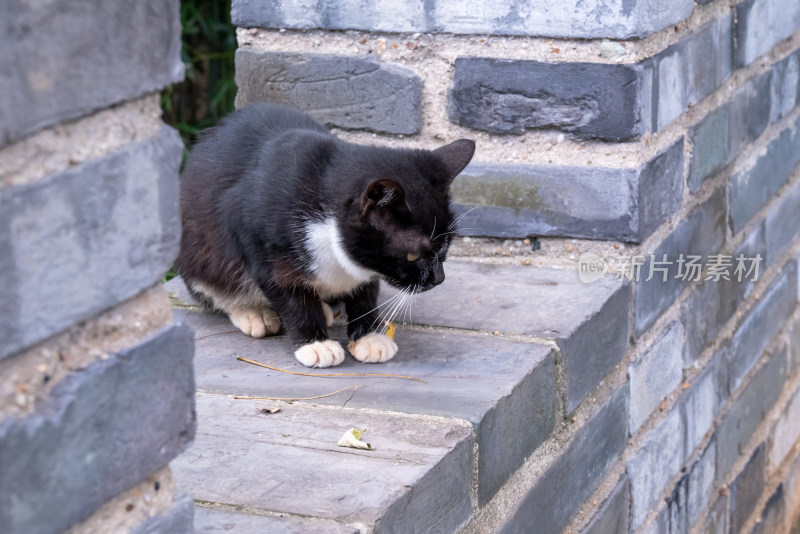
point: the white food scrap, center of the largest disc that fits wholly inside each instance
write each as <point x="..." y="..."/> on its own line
<point x="352" y="439"/>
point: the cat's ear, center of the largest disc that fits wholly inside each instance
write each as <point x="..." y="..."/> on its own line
<point x="456" y="156"/>
<point x="382" y="193"/>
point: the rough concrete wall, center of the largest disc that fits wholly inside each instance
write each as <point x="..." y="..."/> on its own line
<point x="683" y="141"/>
<point x="97" y="388"/>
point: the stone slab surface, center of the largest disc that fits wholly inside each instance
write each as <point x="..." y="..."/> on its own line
<point x="506" y="389"/>
<point x="101" y="431"/>
<point x="616" y="19"/>
<point x="65" y="60"/>
<point x="588" y="322"/>
<point x="417" y="476"/>
<point x="220" y="520"/>
<point x="341" y="91"/>
<point x="81" y="241"/>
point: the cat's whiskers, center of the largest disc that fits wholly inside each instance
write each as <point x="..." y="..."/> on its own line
<point x="379" y="306"/>
<point x="454" y="223"/>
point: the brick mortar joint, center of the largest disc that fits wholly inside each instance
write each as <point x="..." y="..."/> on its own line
<point x="60" y="147"/>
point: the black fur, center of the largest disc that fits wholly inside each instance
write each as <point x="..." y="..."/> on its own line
<point x="252" y="184"/>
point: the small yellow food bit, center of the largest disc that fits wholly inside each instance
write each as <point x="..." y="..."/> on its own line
<point x="390" y="328"/>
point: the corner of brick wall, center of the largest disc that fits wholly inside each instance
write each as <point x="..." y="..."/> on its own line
<point x="672" y="129"/>
<point x="97" y="388"/>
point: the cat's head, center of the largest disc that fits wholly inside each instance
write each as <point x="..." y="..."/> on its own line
<point x="398" y="220"/>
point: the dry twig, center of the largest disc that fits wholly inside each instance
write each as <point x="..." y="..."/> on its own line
<point x="385" y="375"/>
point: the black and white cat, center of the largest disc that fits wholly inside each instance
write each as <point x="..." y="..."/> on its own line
<point x="281" y="218"/>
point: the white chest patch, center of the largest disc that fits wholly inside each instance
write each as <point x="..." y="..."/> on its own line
<point x="335" y="273"/>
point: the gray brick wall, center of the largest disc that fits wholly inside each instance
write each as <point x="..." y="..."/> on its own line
<point x="68" y="60"/>
<point x="571" y="18"/>
<point x="89" y="224"/>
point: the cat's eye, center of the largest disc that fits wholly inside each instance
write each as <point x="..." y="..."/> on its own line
<point x="412" y="257"/>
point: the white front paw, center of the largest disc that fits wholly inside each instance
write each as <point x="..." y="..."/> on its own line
<point x="373" y="348"/>
<point x="326" y="353"/>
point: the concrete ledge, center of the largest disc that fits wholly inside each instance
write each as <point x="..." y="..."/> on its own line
<point x="493" y="386"/>
<point x="590" y="328"/>
<point x="85" y="63"/>
<point x="617" y="19"/>
<point x="101" y="431"/>
<point x="416" y="477"/>
<point x="66" y="238"/>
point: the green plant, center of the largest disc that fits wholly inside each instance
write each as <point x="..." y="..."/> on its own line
<point x="207" y="93"/>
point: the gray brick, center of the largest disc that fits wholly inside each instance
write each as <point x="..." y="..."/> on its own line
<point x="702" y="402"/>
<point x="341" y="91"/>
<point x="761" y="325"/>
<point x="794" y="347"/>
<point x="773" y="516"/>
<point x="785" y="86"/>
<point x="749" y="410"/>
<point x="179" y="519"/>
<point x="613" y="514"/>
<point x="548" y="506"/>
<point x="654" y="464"/>
<point x="717" y="519"/>
<point x="702" y="233"/>
<point x="655" y="374"/>
<point x="525" y="200"/>
<point x="81" y="241"/>
<point x="505" y="389"/>
<point x="691" y="69"/>
<point x="417" y="478"/>
<point x="785" y="432"/>
<point x="618" y="19"/>
<point x="589" y="100"/>
<point x="783" y="225"/>
<point x="746" y="489"/>
<point x="218" y="520"/>
<point x="595" y="348"/>
<point x="720" y="136"/>
<point x="659" y="525"/>
<point x="592" y="318"/>
<point x="85" y="62"/>
<point x="701" y="484"/>
<point x="713" y="303"/>
<point x="100" y="432"/>
<point x="691" y="494"/>
<point x="660" y="188"/>
<point x="761" y="24"/>
<point x="751" y="189"/>
<point x="515" y="427"/>
<point x="601" y="202"/>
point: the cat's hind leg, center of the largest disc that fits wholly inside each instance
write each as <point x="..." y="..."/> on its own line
<point x="260" y="322"/>
<point x="248" y="310"/>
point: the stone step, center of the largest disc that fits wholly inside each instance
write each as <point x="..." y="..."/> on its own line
<point x="486" y="344"/>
